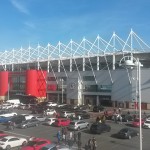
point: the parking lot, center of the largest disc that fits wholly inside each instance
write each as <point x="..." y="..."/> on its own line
<point x="105" y="141"/>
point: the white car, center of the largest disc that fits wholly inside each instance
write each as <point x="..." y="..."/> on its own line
<point x="67" y="114"/>
<point x="51" y="104"/>
<point x="9" y="114"/>
<point x="61" y="105"/>
<point x="11" y="141"/>
<point x="6" y="106"/>
<point x="146" y="124"/>
<point x="28" y="117"/>
<point x="49" y="112"/>
<point x="50" y="121"/>
<point x="40" y="118"/>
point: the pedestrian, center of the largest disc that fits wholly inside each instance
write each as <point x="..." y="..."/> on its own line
<point x="58" y="137"/>
<point x="128" y="112"/>
<point x="70" y="143"/>
<point x="90" y="144"/>
<point x="75" y="137"/>
<point x="62" y="131"/>
<point x="65" y="133"/>
<point x="79" y="136"/>
<point x="70" y="135"/>
<point x="79" y="144"/>
<point x="94" y="144"/>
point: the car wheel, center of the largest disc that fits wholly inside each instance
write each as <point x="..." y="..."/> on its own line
<point x="24" y="143"/>
<point x="8" y="147"/>
<point x="25" y="127"/>
<point x="78" y="128"/>
<point x="37" y="125"/>
<point x="129" y="137"/>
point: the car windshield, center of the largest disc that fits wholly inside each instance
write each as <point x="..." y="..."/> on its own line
<point x="44" y="148"/>
<point x="124" y="130"/>
<point x="31" y="143"/>
<point x="147" y="121"/>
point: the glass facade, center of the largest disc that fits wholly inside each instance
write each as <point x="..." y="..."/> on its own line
<point x="97" y="88"/>
<point x="88" y="78"/>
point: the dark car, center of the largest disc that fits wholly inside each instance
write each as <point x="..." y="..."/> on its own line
<point x="127" y="133"/>
<point x="98" y="128"/>
<point x="18" y="119"/>
<point x="82" y="114"/>
<point x="127" y="118"/>
<point x="29" y="123"/>
<point x="98" y="108"/>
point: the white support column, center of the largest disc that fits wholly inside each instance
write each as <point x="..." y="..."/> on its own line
<point x="79" y="92"/>
<point x="114" y="60"/>
<point x="38" y="65"/>
<point x="48" y="66"/>
<point x="97" y="62"/>
<point x="12" y="67"/>
<point x="83" y="63"/>
<point x="70" y="64"/>
<point x="5" y="67"/>
<point x="59" y="65"/>
<point x="97" y="100"/>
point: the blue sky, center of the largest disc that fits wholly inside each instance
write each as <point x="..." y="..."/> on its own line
<point x="49" y="21"/>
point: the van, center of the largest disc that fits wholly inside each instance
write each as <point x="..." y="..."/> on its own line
<point x="14" y="102"/>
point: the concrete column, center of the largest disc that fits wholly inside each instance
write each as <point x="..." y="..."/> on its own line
<point x="97" y="62"/>
<point x="83" y="64"/>
<point x="70" y="64"/>
<point x="114" y="60"/>
<point x="58" y="65"/>
<point x="97" y="100"/>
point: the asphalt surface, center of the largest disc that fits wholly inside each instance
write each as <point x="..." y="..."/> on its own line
<point x="105" y="141"/>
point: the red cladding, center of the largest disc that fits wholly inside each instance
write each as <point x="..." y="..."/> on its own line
<point x="3" y="83"/>
<point x="36" y="83"/>
<point x="31" y="82"/>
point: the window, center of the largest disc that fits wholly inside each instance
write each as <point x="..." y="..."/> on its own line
<point x="51" y="79"/>
<point x="104" y="88"/>
<point x="13" y="139"/>
<point x="90" y="88"/>
<point x="88" y="78"/>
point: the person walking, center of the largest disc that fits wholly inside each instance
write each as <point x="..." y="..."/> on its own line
<point x="58" y="137"/>
<point x="75" y="137"/>
<point x="70" y="135"/>
<point x="79" y="136"/>
<point x="94" y="143"/>
<point x="79" y="144"/>
<point x="90" y="144"/>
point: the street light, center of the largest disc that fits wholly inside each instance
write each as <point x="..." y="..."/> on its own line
<point x="131" y="62"/>
<point x="62" y="89"/>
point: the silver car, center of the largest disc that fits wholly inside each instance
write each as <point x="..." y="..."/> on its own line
<point x="78" y="124"/>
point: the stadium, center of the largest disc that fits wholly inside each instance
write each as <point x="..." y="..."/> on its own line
<point x="79" y="73"/>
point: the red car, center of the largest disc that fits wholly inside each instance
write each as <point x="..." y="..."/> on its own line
<point x="136" y="122"/>
<point x="62" y="122"/>
<point x="3" y="135"/>
<point x="36" y="144"/>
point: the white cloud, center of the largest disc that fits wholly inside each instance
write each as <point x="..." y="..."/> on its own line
<point x="17" y="4"/>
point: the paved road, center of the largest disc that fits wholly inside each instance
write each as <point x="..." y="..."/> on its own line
<point x="105" y="141"/>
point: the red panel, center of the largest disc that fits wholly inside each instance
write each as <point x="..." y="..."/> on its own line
<point x="3" y="83"/>
<point x="51" y="87"/>
<point x="31" y="82"/>
<point x="41" y="83"/>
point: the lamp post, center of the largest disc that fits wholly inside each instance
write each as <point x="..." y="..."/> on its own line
<point x="131" y="62"/>
<point x="62" y="89"/>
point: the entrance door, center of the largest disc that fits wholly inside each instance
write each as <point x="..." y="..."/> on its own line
<point x="105" y="100"/>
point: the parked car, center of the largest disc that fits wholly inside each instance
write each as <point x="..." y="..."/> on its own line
<point x="36" y="144"/>
<point x="51" y="104"/>
<point x="49" y="112"/>
<point x="78" y="125"/>
<point x="27" y="117"/>
<point x="18" y="119"/>
<point x="136" y="122"/>
<point x="67" y="114"/>
<point x="82" y="115"/>
<point x="62" y="122"/>
<point x="8" y="114"/>
<point x="9" y="142"/>
<point x="146" y="124"/>
<point x="4" y="119"/>
<point x="40" y="118"/>
<point x="6" y="106"/>
<point x="127" y="133"/>
<point x="55" y="147"/>
<point x="29" y="123"/>
<point x="2" y="135"/>
<point x="98" y="108"/>
<point x="98" y="128"/>
<point x="50" y="121"/>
